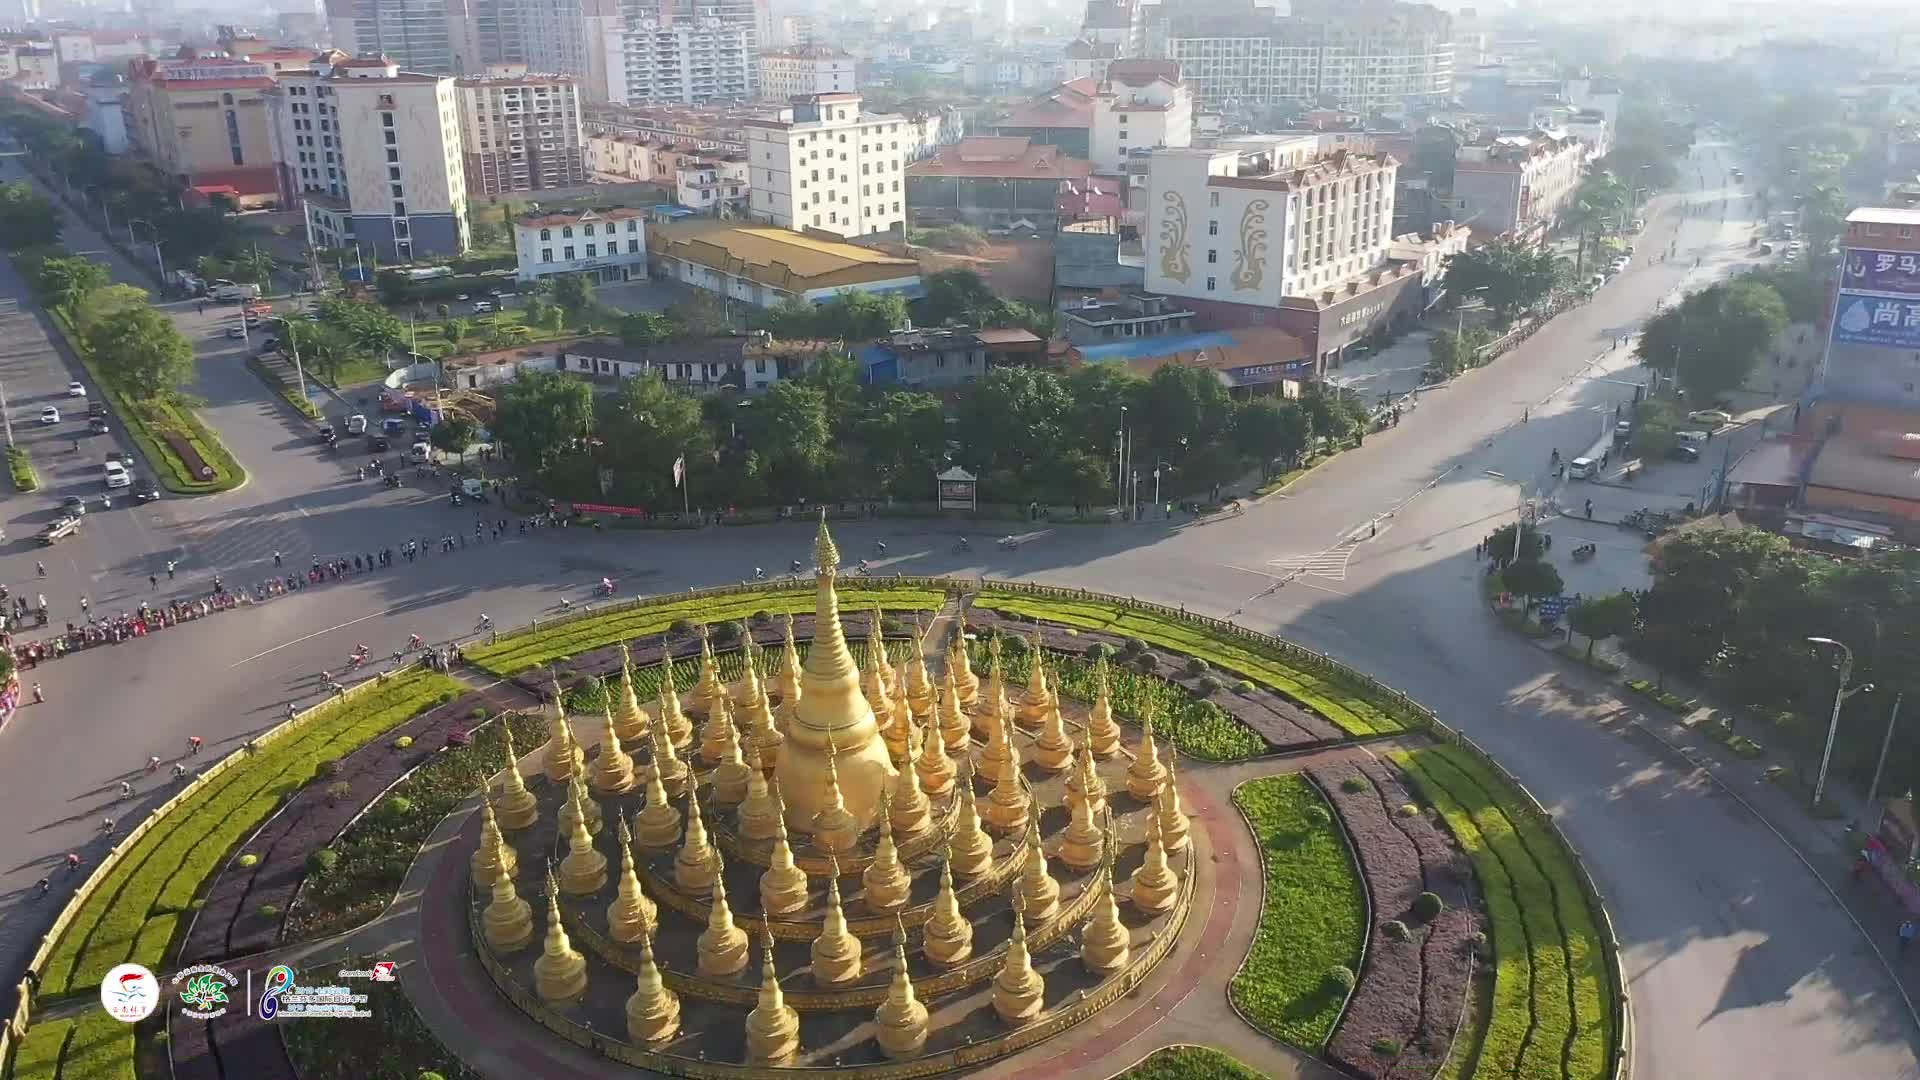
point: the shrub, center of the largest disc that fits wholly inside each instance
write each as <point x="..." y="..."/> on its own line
<point x="1099" y="650"/>
<point x="763" y="617"/>
<point x="1013" y="645"/>
<point x="396" y="808"/>
<point x="727" y="632"/>
<point x="403" y="742"/>
<point x="1318" y="817"/>
<point x="1386" y="1047"/>
<point x="478" y="715"/>
<point x="1341" y="978"/>
<point x="1353" y="784"/>
<point x="247" y="860"/>
<point x="1407" y="810"/>
<point x="1477" y="944"/>
<point x="269" y="911"/>
<point x="1427" y="906"/>
<point x="1197" y="666"/>
<point x="338" y="790"/>
<point x="1244" y="688"/>
<point x="323" y="861"/>
<point x="161" y="1037"/>
<point x="1147" y="662"/>
<point x="1133" y="647"/>
<point x="1209" y="685"/>
<point x="329" y="769"/>
<point x="1396" y="930"/>
<point x="680" y="627"/>
<point x="429" y="1076"/>
<point x="196" y="905"/>
<point x="459" y="737"/>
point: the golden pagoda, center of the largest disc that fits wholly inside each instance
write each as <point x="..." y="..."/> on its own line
<point x="560" y="975"/>
<point x="783" y="885"/>
<point x="708" y="691"/>
<point x="773" y="1028"/>
<point x="1154" y="884"/>
<point x="877" y="635"/>
<point x="1102" y="730"/>
<point x="563" y="753"/>
<point x="750" y="688"/>
<point x="935" y="767"/>
<point x="1084" y="784"/>
<point x="969" y="848"/>
<point x="833" y="718"/>
<point x="672" y="772"/>
<point x="908" y="809"/>
<point x="1105" y="943"/>
<point x="631" y="917"/>
<point x="1008" y="803"/>
<point x="653" y="1011"/>
<point x="955" y="730"/>
<point x="886" y="884"/>
<point x="679" y="729"/>
<point x="730" y="773"/>
<point x="789" y="666"/>
<point x="584" y="869"/>
<point x="873" y="679"/>
<point x="961" y="667"/>
<point x="835" y="831"/>
<point x="722" y="946"/>
<point x="1032" y="711"/>
<point x="896" y="730"/>
<point x="1039" y="893"/>
<point x="1145" y="774"/>
<point x="1169" y="814"/>
<point x="507" y="921"/>
<point x="1019" y="992"/>
<point x="629" y="719"/>
<point x="919" y="683"/>
<point x="718" y="734"/>
<point x="1052" y="748"/>
<point x="900" y="1023"/>
<point x="948" y="938"/>
<point x="693" y="865"/>
<point x="518" y="808"/>
<point x="1083" y="844"/>
<point x="657" y="826"/>
<point x="762" y="731"/>
<point x="836" y="952"/>
<point x="613" y="769"/>
<point x="758" y="815"/>
<point x="992" y="708"/>
<point x="580" y="807"/>
<point x="493" y="858"/>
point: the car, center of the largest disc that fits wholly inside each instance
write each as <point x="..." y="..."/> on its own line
<point x="462" y="298"/>
<point x="377" y="444"/>
<point x="1683" y="452"/>
<point x="393" y="425"/>
<point x="1621" y="263"/>
<point x="1693" y="436"/>
<point x="121" y="457"/>
<point x="145" y="490"/>
<point x="236" y="331"/>
<point x="74" y="506"/>
<point x="482" y="307"/>
<point x="75" y="389"/>
<point x="117" y="475"/>
<point x="96" y="407"/>
<point x="59" y="529"/>
<point x="1623" y="427"/>
<point x="49" y="415"/>
<point x="1580" y="468"/>
<point x="1716" y="417"/>
<point x="97" y="425"/>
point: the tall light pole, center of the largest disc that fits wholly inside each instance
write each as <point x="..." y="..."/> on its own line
<point x="1840" y="696"/>
<point x="293" y="346"/>
<point x="131" y="239"/>
<point x="1120" y="464"/>
<point x="1886" y="744"/>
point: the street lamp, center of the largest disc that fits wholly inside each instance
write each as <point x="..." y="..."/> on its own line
<point x="293" y="346"/>
<point x="1840" y="696"/>
<point x="132" y="239"/>
<point x="1120" y="459"/>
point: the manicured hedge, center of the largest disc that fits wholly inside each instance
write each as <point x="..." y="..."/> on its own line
<point x="92" y="1046"/>
<point x="1190" y="1063"/>
<point x="137" y="910"/>
<point x="21" y="466"/>
<point x="1315" y="913"/>
<point x="517" y="652"/>
<point x="1345" y="703"/>
<point x="38" y="1056"/>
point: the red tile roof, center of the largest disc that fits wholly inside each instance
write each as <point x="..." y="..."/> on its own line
<point x="1006" y="157"/>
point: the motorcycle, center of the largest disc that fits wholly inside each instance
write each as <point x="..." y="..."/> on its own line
<point x="1584" y="552"/>
<point x="456" y="498"/>
<point x="962" y="546"/>
<point x="605" y="588"/>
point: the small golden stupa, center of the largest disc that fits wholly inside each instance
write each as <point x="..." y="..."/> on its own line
<point x="908" y="809"/>
<point x="1146" y="774"/>
<point x="1007" y="805"/>
<point x="1053" y="748"/>
<point x="678" y="728"/>
<point x="1039" y="893"/>
<point x="873" y="682"/>
<point x="560" y="974"/>
<point x="493" y="858"/>
<point x="1084" y="784"/>
<point x="657" y="826"/>
<point x="693" y="865"/>
<point x="897" y="729"/>
<point x="919" y="683"/>
<point x="674" y="773"/>
<point x="961" y="665"/>
<point x="722" y="946"/>
<point x="878" y="638"/>
<point x="900" y="1023"/>
<point x="730" y="769"/>
<point x="773" y="1028"/>
<point x="969" y="848"/>
<point x="1105" y="943"/>
<point x="629" y="719"/>
<point x="708" y="691"/>
<point x="1019" y="992"/>
<point x="783" y="885"/>
<point x="580" y="807"/>
<point x="758" y="815"/>
<point x="948" y="935"/>
<point x="762" y="731"/>
<point x="613" y="769"/>
<point x="563" y="754"/>
<point x="1032" y="710"/>
<point x="789" y="666"/>
<point x="1169" y="814"/>
<point x="935" y="767"/>
<point x="1154" y="885"/>
<point x="836" y="952"/>
<point x="519" y="808"/>
<point x="507" y="920"/>
<point x="993" y="708"/>
<point x="584" y="869"/>
<point x="886" y="884"/>
<point x="750" y="689"/>
<point x="631" y="917"/>
<point x="955" y="730"/>
<point x="1083" y="844"/>
<point x="1102" y="729"/>
<point x="653" y="1011"/>
<point x="835" y="831"/>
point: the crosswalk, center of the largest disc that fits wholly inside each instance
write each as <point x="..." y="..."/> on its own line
<point x="1330" y="563"/>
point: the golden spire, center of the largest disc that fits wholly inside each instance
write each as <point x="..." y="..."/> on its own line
<point x="679" y="729"/>
<point x="761" y="729"/>
<point x="518" y="806"/>
<point x="960" y="665"/>
<point x="993" y="706"/>
<point x="1146" y="774"/>
<point x="932" y="763"/>
<point x="896" y="725"/>
<point x="832" y="709"/>
<point x="560" y="974"/>
<point x="657" y="826"/>
<point x="954" y="729"/>
<point x="676" y="774"/>
<point x="693" y="865"/>
<point x="1039" y="893"/>
<point x="758" y="812"/>
<point x="507" y="922"/>
<point x="709" y="691"/>
<point x="873" y="685"/>
<point x="1052" y="748"/>
<point x="886" y="885"/>
<point x="1102" y="731"/>
<point x="783" y="885"/>
<point x="948" y="938"/>
<point x="1083" y="845"/>
<point x="584" y="870"/>
<point x="909" y="811"/>
<point x="1008" y="803"/>
<point x="563" y="754"/>
<point x="750" y="687"/>
<point x="836" y="952"/>
<point x="789" y="667"/>
<point x="1105" y="943"/>
<point x="1084" y="784"/>
<point x="1033" y="700"/>
<point x="882" y="664"/>
<point x="919" y="683"/>
<point x="631" y="917"/>
<point x="613" y="769"/>
<point x="722" y="946"/>
<point x="493" y="857"/>
<point x="900" y="1023"/>
<point x="653" y="1011"/>
<point x="773" y="1028"/>
<point x="826" y="557"/>
<point x="629" y="720"/>
<point x="834" y="829"/>
<point x="1171" y="816"/>
<point x="1019" y="992"/>
<point x="730" y="772"/>
<point x="1154" y="883"/>
<point x="579" y="807"/>
<point x="969" y="848"/>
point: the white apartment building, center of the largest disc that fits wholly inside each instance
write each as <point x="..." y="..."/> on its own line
<point x="1518" y="184"/>
<point x="1264" y="218"/>
<point x="786" y="74"/>
<point x="1140" y="104"/>
<point x="437" y="37"/>
<point x="609" y="244"/>
<point x="716" y="186"/>
<point x="401" y="160"/>
<point x="680" y="51"/>
<point x="824" y="164"/>
<point x="306" y="136"/>
<point x="1365" y="55"/>
<point x="521" y="132"/>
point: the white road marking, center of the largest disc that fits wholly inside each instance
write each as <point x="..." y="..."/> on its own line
<point x="1291" y="578"/>
<point x="1330" y="564"/>
<point x="309" y="637"/>
<point x="302" y="509"/>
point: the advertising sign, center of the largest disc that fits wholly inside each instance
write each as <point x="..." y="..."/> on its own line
<point x="957" y="488"/>
<point x="1861" y="319"/>
<point x="1870" y="271"/>
<point x="609" y="510"/>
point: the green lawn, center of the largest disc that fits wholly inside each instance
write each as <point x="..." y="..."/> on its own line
<point x="1199" y="728"/>
<point x="1189" y="1063"/>
<point x="1354" y="708"/>
<point x="21" y="466"/>
<point x="1315" y="915"/>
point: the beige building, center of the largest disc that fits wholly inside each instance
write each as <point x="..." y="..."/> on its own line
<point x="521" y="132"/>
<point x="824" y="164"/>
<point x="402" y="159"/>
<point x="786" y="74"/>
<point x="206" y="123"/>
<point x="1140" y="104"/>
<point x="1518" y="184"/>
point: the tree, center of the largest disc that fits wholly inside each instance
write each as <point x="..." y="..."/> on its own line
<point x="957" y="296"/>
<point x="647" y="424"/>
<point x="27" y="218"/>
<point x="860" y="316"/>
<point x="455" y="330"/>
<point x="142" y="350"/>
<point x="902" y="436"/>
<point x="1327" y="416"/>
<point x="1182" y="407"/>
<point x="454" y="433"/>
<point x="1098" y="393"/>
<point x="255" y="265"/>
<point x="573" y="292"/>
<point x="700" y="315"/>
<point x="1268" y="429"/>
<point x="543" y="414"/>
<point x="1448" y="354"/>
<point x="645" y="328"/>
<point x="793" y="434"/>
<point x="1711" y="339"/>
<point x="64" y="282"/>
<point x="373" y="329"/>
<point x="541" y="315"/>
<point x="99" y="304"/>
<point x="1015" y="419"/>
<point x="1532" y="579"/>
<point x="1499" y="544"/>
<point x="837" y="376"/>
<point x="1603" y="617"/>
<point x="1509" y="275"/>
<point x="793" y="320"/>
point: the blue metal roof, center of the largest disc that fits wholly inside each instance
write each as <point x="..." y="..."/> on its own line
<point x="1143" y="348"/>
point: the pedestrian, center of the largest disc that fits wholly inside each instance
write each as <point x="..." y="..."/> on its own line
<point x="40" y="568"/>
<point x="126" y="789"/>
<point x="1907" y="930"/>
<point x="39" y="695"/>
<point x="45" y="884"/>
<point x="1479" y="548"/>
<point x="106" y="825"/>
<point x="1546" y="541"/>
<point x="73" y="861"/>
<point x="1589" y="509"/>
<point x="179" y="771"/>
<point x="1373" y="529"/>
<point x="170" y="566"/>
<point x="154" y="580"/>
<point x="276" y="558"/>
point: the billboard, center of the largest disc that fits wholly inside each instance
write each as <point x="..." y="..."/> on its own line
<point x="1866" y="319"/>
<point x="1889" y="272"/>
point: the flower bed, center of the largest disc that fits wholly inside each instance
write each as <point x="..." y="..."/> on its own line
<point x="136" y="911"/>
<point x="21" y="466"/>
<point x="1666" y="699"/>
<point x="1550" y="1014"/>
<point x="1189" y="1063"/>
<point x="393" y="1044"/>
<point x="517" y="652"/>
<point x="1314" y="919"/>
<point x="1354" y="708"/>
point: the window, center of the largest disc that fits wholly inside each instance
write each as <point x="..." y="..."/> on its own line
<point x="1209" y="284"/>
<point x="390" y="139"/>
<point x="816" y="219"/>
<point x="546" y="234"/>
<point x="1213" y="228"/>
<point x="587" y="231"/>
<point x="399" y="209"/>
<point x="567" y="252"/>
<point x="392" y="154"/>
<point x="593" y="251"/>
<point x="633" y="247"/>
<point x="633" y="225"/>
<point x="546" y="254"/>
<point x="1213" y="255"/>
<point x="816" y="173"/>
<point x="566" y="232"/>
<point x="393" y="173"/>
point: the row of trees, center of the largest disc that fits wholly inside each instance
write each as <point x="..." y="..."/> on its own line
<point x="134" y="344"/>
<point x="1509" y="276"/>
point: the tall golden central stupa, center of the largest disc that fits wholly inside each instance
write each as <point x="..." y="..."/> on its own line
<point x="833" y="717"/>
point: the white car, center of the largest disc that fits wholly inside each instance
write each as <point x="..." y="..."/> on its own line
<point x="1692" y="436"/>
<point x="236" y="332"/>
<point x="1621" y="263"/>
<point x="117" y="475"/>
<point x="49" y="415"/>
<point x="75" y="389"/>
<point x="482" y="307"/>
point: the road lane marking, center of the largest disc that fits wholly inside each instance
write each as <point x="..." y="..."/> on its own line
<point x="309" y="637"/>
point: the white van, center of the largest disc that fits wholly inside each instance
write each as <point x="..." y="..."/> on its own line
<point x="357" y="424"/>
<point x="421" y="451"/>
<point x="1580" y="468"/>
<point x="230" y="292"/>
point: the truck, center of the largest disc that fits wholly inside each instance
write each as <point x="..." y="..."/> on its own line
<point x="231" y="292"/>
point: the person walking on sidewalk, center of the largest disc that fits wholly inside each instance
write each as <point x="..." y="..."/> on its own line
<point x="1908" y="929"/>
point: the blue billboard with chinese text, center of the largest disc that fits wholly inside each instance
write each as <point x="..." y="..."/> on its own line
<point x="1862" y="319"/>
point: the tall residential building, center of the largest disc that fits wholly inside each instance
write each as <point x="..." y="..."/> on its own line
<point x="306" y="135"/>
<point x="1140" y="104"/>
<point x="1517" y="184"/>
<point x="1119" y="23"/>
<point x="823" y="164"/>
<point x="436" y="37"/>
<point x="1364" y="55"/>
<point x="683" y="51"/>
<point x="808" y="69"/>
<point x="1873" y="354"/>
<point x="205" y="122"/>
<point x="521" y="132"/>
<point x="401" y="158"/>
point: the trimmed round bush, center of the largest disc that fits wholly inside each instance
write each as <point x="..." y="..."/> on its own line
<point x="328" y="769"/>
<point x="1244" y="687"/>
<point x="1386" y="1047"/>
<point x="1013" y="645"/>
<point x="1353" y="784"/>
<point x="338" y="790"/>
<point x="1396" y="930"/>
<point x="1428" y="905"/>
<point x="196" y="905"/>
<point x="269" y="911"/>
<point x="396" y="808"/>
<point x="1133" y="647"/>
<point x="247" y="860"/>
<point x="429" y="1076"/>
<point x="1099" y="650"/>
<point x="1318" y="817"/>
<point x="403" y="742"/>
<point x="763" y="617"/>
<point x="1407" y="810"/>
<point x="478" y="714"/>
<point x="1197" y="666"/>
<point x="680" y="627"/>
<point x="1477" y="944"/>
<point x="1209" y="685"/>
<point x="1147" y="662"/>
<point x="1340" y="977"/>
<point x="727" y="632"/>
<point x="323" y="861"/>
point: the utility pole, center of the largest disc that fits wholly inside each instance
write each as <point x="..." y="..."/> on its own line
<point x="6" y="415"/>
<point x="1886" y="743"/>
<point x="293" y="346"/>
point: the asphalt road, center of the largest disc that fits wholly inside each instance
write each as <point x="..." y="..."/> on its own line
<point x="1740" y="965"/>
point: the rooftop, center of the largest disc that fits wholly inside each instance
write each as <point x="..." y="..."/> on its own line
<point x="573" y="217"/>
<point x="1003" y="157"/>
<point x="1884" y="215"/>
<point x="808" y="52"/>
<point x="778" y="257"/>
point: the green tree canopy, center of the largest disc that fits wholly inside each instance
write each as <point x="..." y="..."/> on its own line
<point x="64" y="282"/>
<point x="1600" y="617"/>
<point x="1711" y="340"/>
<point x="1532" y="579"/>
<point x="1508" y="275"/>
<point x="27" y="218"/>
<point x="141" y="349"/>
<point x="1268" y="429"/>
<point x="646" y="425"/>
<point x="454" y="434"/>
<point x="543" y="414"/>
